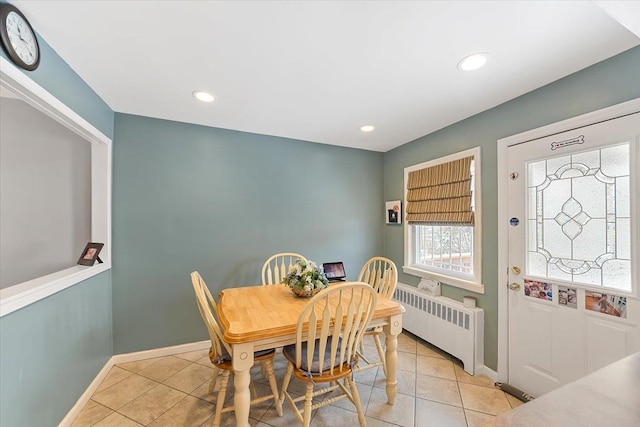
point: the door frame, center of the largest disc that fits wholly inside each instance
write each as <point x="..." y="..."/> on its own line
<point x="594" y="117"/>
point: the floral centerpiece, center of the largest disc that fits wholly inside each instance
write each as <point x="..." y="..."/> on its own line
<point x="305" y="278"/>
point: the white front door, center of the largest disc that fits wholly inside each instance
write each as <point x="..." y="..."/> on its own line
<point x="573" y="203"/>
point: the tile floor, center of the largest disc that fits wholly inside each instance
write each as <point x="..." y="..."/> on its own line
<point x="433" y="390"/>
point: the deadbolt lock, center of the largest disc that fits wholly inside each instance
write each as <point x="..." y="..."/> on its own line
<point x="516" y="270"/>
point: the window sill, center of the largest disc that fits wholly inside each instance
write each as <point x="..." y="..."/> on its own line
<point x="18" y="296"/>
<point x="447" y="280"/>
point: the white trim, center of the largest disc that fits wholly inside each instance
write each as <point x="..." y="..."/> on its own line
<point x="161" y="352"/>
<point x="503" y="266"/>
<point x="36" y="96"/>
<point x="484" y="370"/>
<point x="623" y="109"/>
<point x="452" y="279"/>
<point x="15" y="297"/>
<point x="124" y="358"/>
<point x="23" y="294"/>
<point x="604" y="114"/>
<point x="86" y="396"/>
<point x="446" y="279"/>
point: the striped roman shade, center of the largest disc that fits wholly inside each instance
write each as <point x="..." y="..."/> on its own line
<point x="441" y="194"/>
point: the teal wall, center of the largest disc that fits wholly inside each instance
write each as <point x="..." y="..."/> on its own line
<point x="607" y="83"/>
<point x="188" y="197"/>
<point x="51" y="350"/>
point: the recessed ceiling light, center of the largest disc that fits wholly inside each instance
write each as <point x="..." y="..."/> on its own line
<point x="367" y="128"/>
<point x="473" y="61"/>
<point x="203" y="96"/>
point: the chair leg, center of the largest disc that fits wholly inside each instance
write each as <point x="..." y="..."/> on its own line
<point x="222" y="394"/>
<point x="263" y="372"/>
<point x="252" y="390"/>
<point x="376" y="338"/>
<point x="308" y="398"/>
<point x="268" y="366"/>
<point x="356" y="401"/>
<point x="286" y="380"/>
<point x="214" y="380"/>
<point x="361" y="353"/>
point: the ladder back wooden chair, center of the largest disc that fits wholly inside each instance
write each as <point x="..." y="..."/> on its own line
<point x="381" y="273"/>
<point x="220" y="353"/>
<point x="328" y="333"/>
<point x="276" y="267"/>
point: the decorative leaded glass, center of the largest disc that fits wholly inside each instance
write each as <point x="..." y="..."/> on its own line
<point x="578" y="218"/>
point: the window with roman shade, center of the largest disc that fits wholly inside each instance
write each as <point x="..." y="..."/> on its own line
<point x="441" y="194"/>
<point x="442" y="220"/>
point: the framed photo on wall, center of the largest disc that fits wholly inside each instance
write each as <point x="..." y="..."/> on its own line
<point x="90" y="254"/>
<point x="393" y="212"/>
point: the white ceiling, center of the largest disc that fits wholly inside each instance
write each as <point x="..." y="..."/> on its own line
<point x="317" y="71"/>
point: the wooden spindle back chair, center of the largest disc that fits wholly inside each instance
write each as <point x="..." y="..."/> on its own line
<point x="276" y="267"/>
<point x="328" y="334"/>
<point x="220" y="353"/>
<point x="381" y="273"/>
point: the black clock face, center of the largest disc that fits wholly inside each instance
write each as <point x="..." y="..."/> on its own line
<point x="18" y="38"/>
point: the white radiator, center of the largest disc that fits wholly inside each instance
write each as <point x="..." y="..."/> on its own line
<point x="445" y="323"/>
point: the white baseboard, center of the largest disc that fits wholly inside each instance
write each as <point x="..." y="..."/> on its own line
<point x="487" y="372"/>
<point x="75" y="411"/>
<point x="124" y="358"/>
<point x="161" y="352"/>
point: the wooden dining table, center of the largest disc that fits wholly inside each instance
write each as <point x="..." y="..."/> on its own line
<point x="260" y="317"/>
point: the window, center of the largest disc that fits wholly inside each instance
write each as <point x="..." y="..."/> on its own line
<point x="579" y="218"/>
<point x="442" y="224"/>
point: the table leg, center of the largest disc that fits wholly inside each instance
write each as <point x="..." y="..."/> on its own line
<point x="242" y="363"/>
<point x="392" y="330"/>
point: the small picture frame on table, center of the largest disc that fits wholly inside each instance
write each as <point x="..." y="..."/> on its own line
<point x="90" y="254"/>
<point x="393" y="212"/>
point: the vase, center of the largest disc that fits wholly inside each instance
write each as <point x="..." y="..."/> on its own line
<point x="303" y="294"/>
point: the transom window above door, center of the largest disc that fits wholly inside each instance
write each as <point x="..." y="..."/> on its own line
<point x="442" y="224"/>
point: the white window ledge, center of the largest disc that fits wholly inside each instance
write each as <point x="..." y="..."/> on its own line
<point x="16" y="297"/>
<point x="447" y="280"/>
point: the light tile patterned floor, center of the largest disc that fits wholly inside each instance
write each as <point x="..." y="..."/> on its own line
<point x="433" y="390"/>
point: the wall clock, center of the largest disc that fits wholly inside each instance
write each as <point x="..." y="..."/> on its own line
<point x="18" y="38"/>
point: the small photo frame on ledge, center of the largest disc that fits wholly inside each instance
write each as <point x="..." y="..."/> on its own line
<point x="393" y="212"/>
<point x="90" y="254"/>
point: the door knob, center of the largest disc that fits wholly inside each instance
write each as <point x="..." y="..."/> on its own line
<point x="514" y="286"/>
